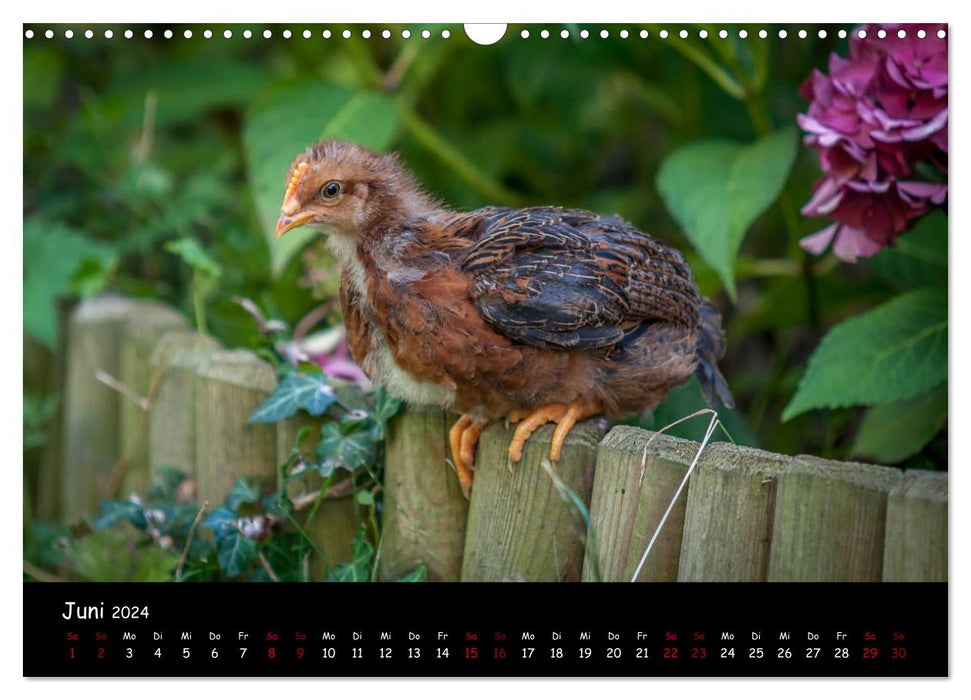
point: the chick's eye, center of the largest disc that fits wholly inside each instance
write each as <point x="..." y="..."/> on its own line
<point x="331" y="190"/>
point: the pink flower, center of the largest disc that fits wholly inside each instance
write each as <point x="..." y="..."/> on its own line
<point x="873" y="118"/>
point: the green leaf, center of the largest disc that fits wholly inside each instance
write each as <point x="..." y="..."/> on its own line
<point x="894" y="352"/>
<point x="236" y="553"/>
<point x="716" y="189"/>
<point x="113" y="512"/>
<point x="352" y="450"/>
<point x="892" y="432"/>
<point x="917" y="258"/>
<point x="287" y="119"/>
<point x="358" y="570"/>
<point x="364" y="498"/>
<point x="195" y="256"/>
<point x="53" y="254"/>
<point x="310" y="392"/>
<point x="184" y="89"/>
<point x="386" y="406"/>
<point x="243" y="491"/>
<point x="419" y="575"/>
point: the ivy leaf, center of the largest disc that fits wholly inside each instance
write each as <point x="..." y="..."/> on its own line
<point x="716" y="189"/>
<point x="896" y="351"/>
<point x="243" y="491"/>
<point x="917" y="258"/>
<point x="386" y="406"/>
<point x="419" y="575"/>
<point x="892" y="432"/>
<point x="310" y="392"/>
<point x="358" y="570"/>
<point x="113" y="512"/>
<point x="236" y="553"/>
<point x="351" y="450"/>
<point x="285" y="120"/>
<point x="221" y="521"/>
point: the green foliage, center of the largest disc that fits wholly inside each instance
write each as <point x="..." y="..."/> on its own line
<point x="58" y="261"/>
<point x="894" y="352"/>
<point x="358" y="569"/>
<point x="716" y="189"/>
<point x="285" y="120"/>
<point x="892" y="432"/>
<point x="310" y="392"/>
<point x="38" y="410"/>
<point x="918" y="258"/>
<point x="351" y="443"/>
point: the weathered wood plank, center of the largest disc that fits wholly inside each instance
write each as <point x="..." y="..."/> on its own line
<point x="91" y="447"/>
<point x="519" y="527"/>
<point x="425" y="511"/>
<point x="728" y="516"/>
<point x="231" y="384"/>
<point x="139" y="336"/>
<point x="830" y="521"/>
<point x="631" y="492"/>
<point x="48" y="499"/>
<point x="335" y="521"/>
<point x="178" y="355"/>
<point x="916" y="547"/>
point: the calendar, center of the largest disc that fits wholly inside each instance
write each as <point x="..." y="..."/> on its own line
<point x="510" y="350"/>
<point x="487" y="630"/>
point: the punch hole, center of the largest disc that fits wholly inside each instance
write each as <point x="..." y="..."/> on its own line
<point x="68" y="34"/>
<point x="267" y="33"/>
<point x="487" y="34"/>
<point x="524" y="34"/>
<point x="446" y="34"/>
<point x="763" y="34"/>
<point x="366" y="33"/>
<point x="227" y="34"/>
<point x="624" y="34"/>
<point x="921" y="33"/>
<point x="129" y="33"/>
<point x="743" y="34"/>
<point x="564" y="34"/>
<point x="386" y="34"/>
<point x="644" y="34"/>
<point x="29" y="34"/>
<point x="49" y="34"/>
<point x="405" y="34"/>
<point x="326" y="34"/>
<point x="307" y="34"/>
<point x="148" y="34"/>
<point x="109" y="33"/>
<point x="425" y="34"/>
<point x="724" y="33"/>
<point x="346" y="33"/>
<point x="167" y="33"/>
<point x="187" y="33"/>
<point x="207" y="34"/>
<point x="88" y="34"/>
<point x="287" y="34"/>
<point x="941" y="34"/>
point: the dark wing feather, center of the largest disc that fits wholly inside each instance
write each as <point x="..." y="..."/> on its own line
<point x="572" y="280"/>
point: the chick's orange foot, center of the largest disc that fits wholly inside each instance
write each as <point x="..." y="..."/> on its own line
<point x="462" y="439"/>
<point x="488" y="311"/>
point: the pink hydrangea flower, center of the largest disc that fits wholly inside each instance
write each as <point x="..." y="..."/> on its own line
<point x="873" y="118"/>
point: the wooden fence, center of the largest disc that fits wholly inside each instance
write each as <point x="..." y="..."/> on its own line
<point x="746" y="515"/>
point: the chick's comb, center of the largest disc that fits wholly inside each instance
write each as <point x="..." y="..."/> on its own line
<point x="297" y="174"/>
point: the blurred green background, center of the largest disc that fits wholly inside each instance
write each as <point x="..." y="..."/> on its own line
<point x="155" y="167"/>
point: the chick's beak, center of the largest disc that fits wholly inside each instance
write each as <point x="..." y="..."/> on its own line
<point x="287" y="223"/>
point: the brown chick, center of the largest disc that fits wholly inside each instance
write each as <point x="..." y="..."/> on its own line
<point x="534" y="315"/>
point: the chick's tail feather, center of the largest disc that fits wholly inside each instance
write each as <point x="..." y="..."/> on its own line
<point x="711" y="347"/>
